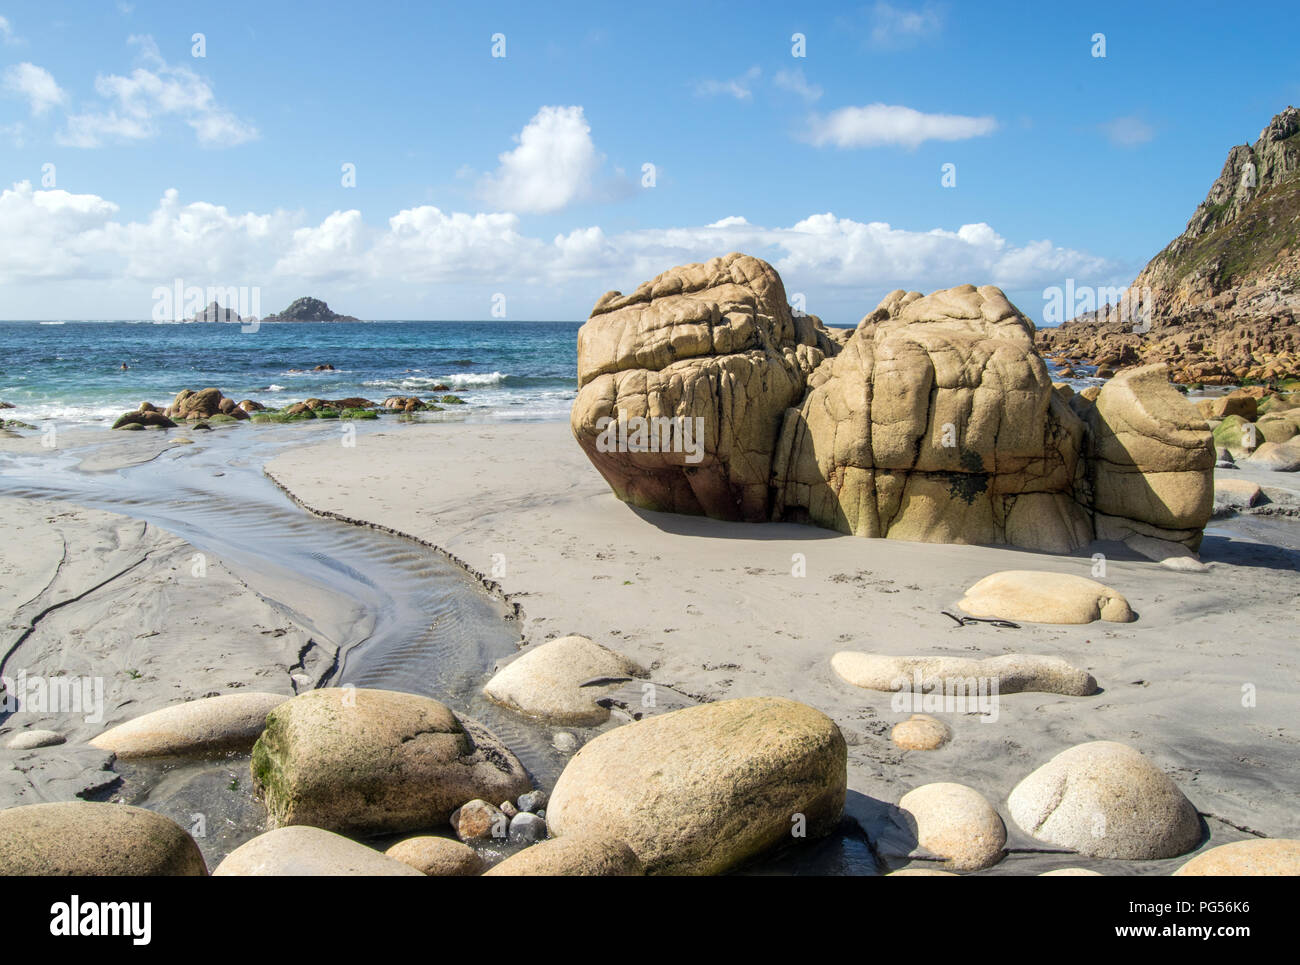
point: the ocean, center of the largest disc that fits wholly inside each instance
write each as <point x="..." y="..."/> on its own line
<point x="70" y="372"/>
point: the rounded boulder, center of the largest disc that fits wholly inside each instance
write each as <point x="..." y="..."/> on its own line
<point x="699" y="790"/>
<point x="91" y="838"/>
<point x="1106" y="800"/>
<point x="376" y="761"/>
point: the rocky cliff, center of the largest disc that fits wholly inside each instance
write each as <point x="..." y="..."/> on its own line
<point x="1224" y="295"/>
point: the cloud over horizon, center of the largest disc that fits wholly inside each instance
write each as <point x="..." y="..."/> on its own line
<point x="55" y="235"/>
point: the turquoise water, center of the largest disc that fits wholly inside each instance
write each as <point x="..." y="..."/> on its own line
<point x="70" y="372"/>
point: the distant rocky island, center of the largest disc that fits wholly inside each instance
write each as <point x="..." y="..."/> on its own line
<point x="1223" y="297"/>
<point x="305" y="309"/>
<point x="215" y="313"/>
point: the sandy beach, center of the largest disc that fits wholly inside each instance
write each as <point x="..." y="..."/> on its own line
<point x="713" y="609"/>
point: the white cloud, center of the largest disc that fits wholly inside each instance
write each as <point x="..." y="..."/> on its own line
<point x="894" y="27"/>
<point x="796" y="82"/>
<point x="741" y="88"/>
<point x="879" y="125"/>
<point x="134" y="105"/>
<point x="36" y="84"/>
<point x="1128" y="131"/>
<point x="552" y="167"/>
<point x="7" y="34"/>
<point x="54" y="236"/>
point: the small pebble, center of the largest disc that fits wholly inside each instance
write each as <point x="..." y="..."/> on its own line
<point x="508" y="809"/>
<point x="532" y="801"/>
<point x="477" y="820"/>
<point x="527" y="828"/>
<point x="920" y="732"/>
<point x="565" y="742"/>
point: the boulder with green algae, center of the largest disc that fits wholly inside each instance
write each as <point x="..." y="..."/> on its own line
<point x="376" y="761"/>
<point x="1237" y="435"/>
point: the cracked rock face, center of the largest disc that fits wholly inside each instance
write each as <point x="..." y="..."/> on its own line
<point x="934" y="420"/>
<point x="714" y="342"/>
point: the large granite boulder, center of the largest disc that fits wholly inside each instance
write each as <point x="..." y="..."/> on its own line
<point x="700" y="790"/>
<point x="1106" y="800"/>
<point x="934" y="420"/>
<point x="682" y="386"/>
<point x="376" y="761"/>
<point x="937" y="422"/>
<point x="1151" y="460"/>
<point x="89" y="838"/>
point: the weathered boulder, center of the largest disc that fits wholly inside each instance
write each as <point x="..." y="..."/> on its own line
<point x="437" y="857"/>
<point x="698" y="791"/>
<point x="682" y="386"/>
<point x="144" y="417"/>
<point x="935" y="419"/>
<point x="956" y="823"/>
<point x="1278" y="428"/>
<point x="585" y="855"/>
<point x="1037" y="596"/>
<point x="1014" y="672"/>
<point x="231" y="722"/>
<point x="1221" y="407"/>
<point x="1106" y="800"/>
<point x="1259" y="856"/>
<point x="937" y="422"/>
<point x="1279" y="457"/>
<point x="373" y="761"/>
<point x="547" y="681"/>
<point x="206" y="403"/>
<point x="1151" y="461"/>
<point x="89" y="838"/>
<point x="1236" y="494"/>
<point x="308" y="852"/>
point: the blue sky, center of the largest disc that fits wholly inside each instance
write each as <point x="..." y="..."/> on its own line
<point x="522" y="175"/>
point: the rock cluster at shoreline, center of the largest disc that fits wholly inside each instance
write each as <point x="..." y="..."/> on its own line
<point x="934" y="420"/>
<point x="210" y="405"/>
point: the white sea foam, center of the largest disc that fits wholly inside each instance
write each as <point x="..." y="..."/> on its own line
<point x="458" y="381"/>
<point x="465" y="379"/>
